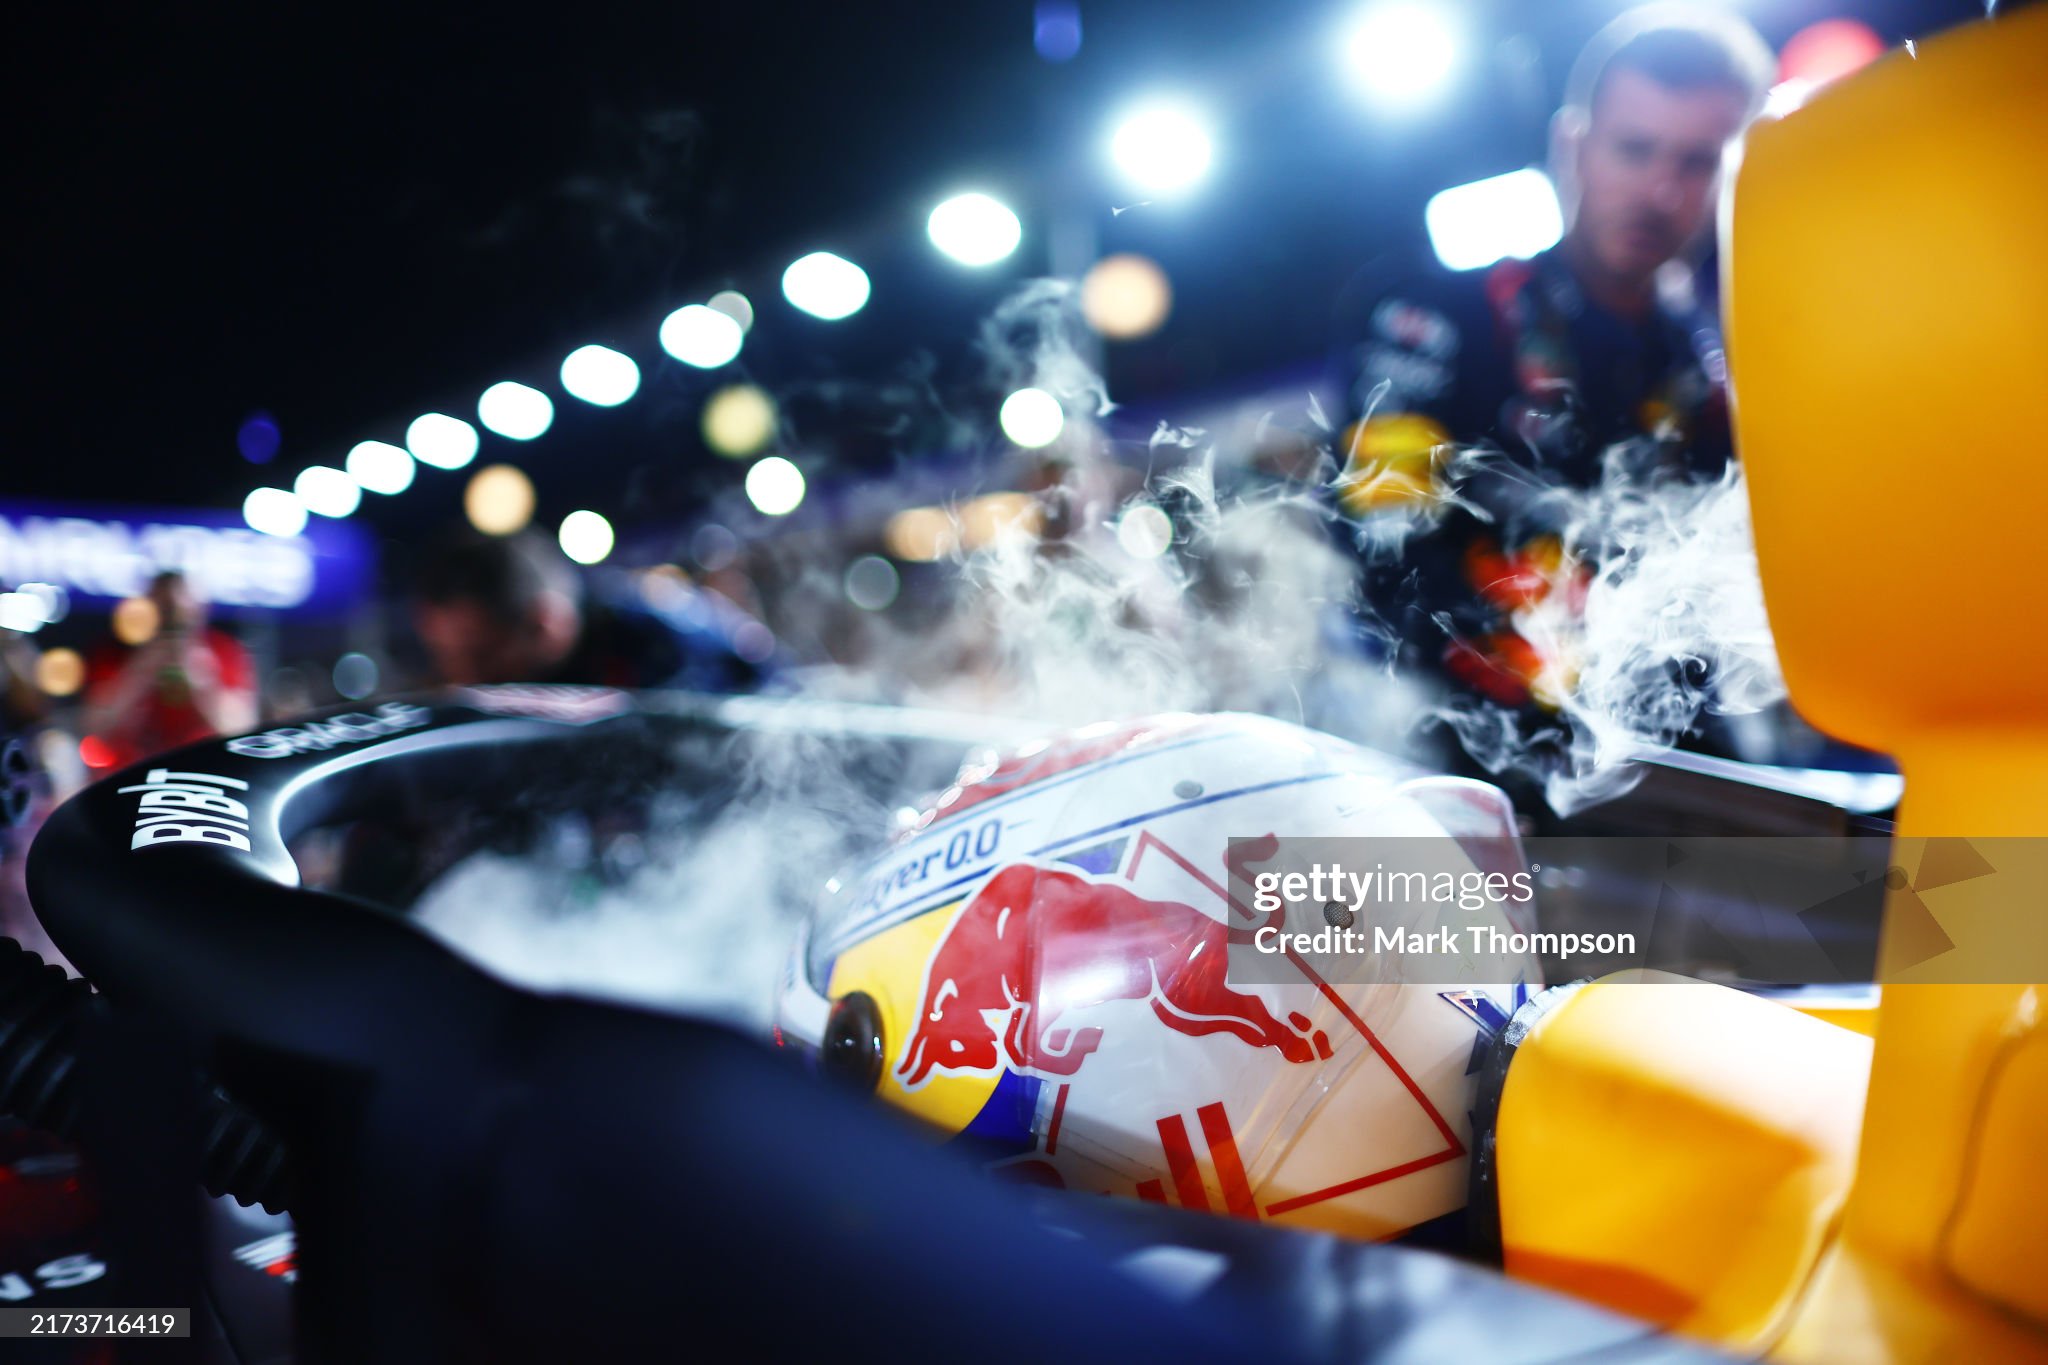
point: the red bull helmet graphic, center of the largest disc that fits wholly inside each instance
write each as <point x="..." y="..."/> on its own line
<point x="1038" y="969"/>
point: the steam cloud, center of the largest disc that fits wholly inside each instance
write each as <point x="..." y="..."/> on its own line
<point x="1054" y="620"/>
<point x="694" y="912"/>
<point x="1673" y="628"/>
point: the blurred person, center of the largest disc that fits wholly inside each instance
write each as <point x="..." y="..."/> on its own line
<point x="1544" y="365"/>
<point x="22" y="703"/>
<point x="186" y="682"/>
<point x="23" y="791"/>
<point x="513" y="609"/>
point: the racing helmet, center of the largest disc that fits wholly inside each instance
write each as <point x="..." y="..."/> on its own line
<point x="1047" y="966"/>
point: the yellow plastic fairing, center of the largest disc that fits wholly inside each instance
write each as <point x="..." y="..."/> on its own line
<point x="1679" y="1152"/>
<point x="1885" y="285"/>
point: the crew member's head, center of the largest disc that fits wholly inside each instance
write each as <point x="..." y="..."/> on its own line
<point x="493" y="609"/>
<point x="1636" y="149"/>
<point x="179" y="609"/>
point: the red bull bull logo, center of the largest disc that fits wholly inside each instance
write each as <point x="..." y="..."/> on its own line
<point x="1035" y="951"/>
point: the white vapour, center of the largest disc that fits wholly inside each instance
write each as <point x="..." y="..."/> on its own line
<point x="1052" y="624"/>
<point x="700" y="918"/>
<point x="1673" y="628"/>
<point x="1057" y="623"/>
<point x="1249" y="609"/>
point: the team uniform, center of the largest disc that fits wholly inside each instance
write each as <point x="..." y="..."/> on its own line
<point x="167" y="716"/>
<point x="1517" y="364"/>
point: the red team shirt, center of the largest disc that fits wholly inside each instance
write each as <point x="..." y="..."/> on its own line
<point x="166" y="717"/>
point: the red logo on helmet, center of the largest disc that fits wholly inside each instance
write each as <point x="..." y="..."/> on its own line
<point x="1042" y="948"/>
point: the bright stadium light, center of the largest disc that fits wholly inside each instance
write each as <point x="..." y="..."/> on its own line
<point x="1399" y="51"/>
<point x="600" y="376"/>
<point x="586" y="537"/>
<point x="518" y="412"/>
<point x="775" y="486"/>
<point x="498" y="500"/>
<point x="327" y="491"/>
<point x="442" y="441"/>
<point x="1032" y="418"/>
<point x="379" y="467"/>
<point x="704" y="337"/>
<point x="826" y="286"/>
<point x="974" y="229"/>
<point x="1472" y="226"/>
<point x="1161" y="148"/>
<point x="21" y="613"/>
<point x="274" y="512"/>
<point x="53" y="601"/>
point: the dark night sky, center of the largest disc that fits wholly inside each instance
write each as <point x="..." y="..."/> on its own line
<point x="350" y="218"/>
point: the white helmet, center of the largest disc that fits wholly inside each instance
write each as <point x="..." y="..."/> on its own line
<point x="1037" y="967"/>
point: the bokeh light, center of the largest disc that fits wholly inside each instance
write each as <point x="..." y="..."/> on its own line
<point x="355" y="676"/>
<point x="258" y="438"/>
<point x="665" y="587"/>
<point x="1397" y="52"/>
<point x="1161" y="148"/>
<point x="739" y="420"/>
<point x="379" y="467"/>
<point x="442" y="441"/>
<point x="921" y="535"/>
<point x="701" y="336"/>
<point x="1125" y="297"/>
<point x="498" y="500"/>
<point x="600" y="376"/>
<point x="1472" y="226"/>
<point x="1144" y="531"/>
<point x="775" y="486"/>
<point x="1032" y="418"/>
<point x="60" y="672"/>
<point x="54" y="601"/>
<point x="135" y="620"/>
<point x="974" y="229"/>
<point x="326" y="491"/>
<point x="274" y="512"/>
<point x="21" y="612"/>
<point x="1056" y="29"/>
<point x="1828" y="51"/>
<point x="992" y="515"/>
<point x="734" y="305"/>
<point x="826" y="286"/>
<point x="714" y="547"/>
<point x="586" y="537"/>
<point x="518" y="412"/>
<point x="872" y="583"/>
